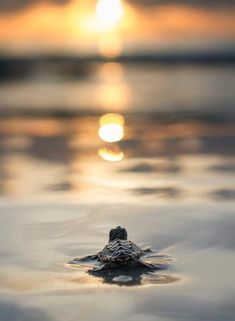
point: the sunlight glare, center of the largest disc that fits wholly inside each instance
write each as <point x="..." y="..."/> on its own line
<point x="111" y="154"/>
<point x="109" y="12"/>
<point x="110" y="45"/>
<point x="111" y="128"/>
<point x="116" y="95"/>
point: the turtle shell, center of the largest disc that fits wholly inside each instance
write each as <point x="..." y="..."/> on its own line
<point x="120" y="251"/>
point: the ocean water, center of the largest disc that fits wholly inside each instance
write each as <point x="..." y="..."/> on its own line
<point x="123" y="88"/>
<point x="169" y="179"/>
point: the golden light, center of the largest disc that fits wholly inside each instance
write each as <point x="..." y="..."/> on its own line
<point x="111" y="72"/>
<point x="113" y="92"/>
<point x="108" y="20"/>
<point x="111" y="154"/>
<point x="110" y="45"/>
<point x="111" y="128"/>
<point x="116" y="95"/>
<point x="109" y="12"/>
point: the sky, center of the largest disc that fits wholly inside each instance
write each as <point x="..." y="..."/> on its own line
<point x="13" y="5"/>
<point x="74" y="26"/>
<point x="199" y="3"/>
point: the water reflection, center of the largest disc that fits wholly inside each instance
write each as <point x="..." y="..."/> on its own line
<point x="114" y="95"/>
<point x="111" y="154"/>
<point x="114" y="92"/>
<point x="111" y="130"/>
<point x="150" y="167"/>
<point x="163" y="192"/>
<point x="225" y="167"/>
<point x="135" y="278"/>
<point x="127" y="276"/>
<point x="111" y="127"/>
<point x="111" y="72"/>
<point x="223" y="194"/>
<point x="64" y="156"/>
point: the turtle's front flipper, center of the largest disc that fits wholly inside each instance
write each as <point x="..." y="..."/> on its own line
<point x="147" y="250"/>
<point x="144" y="264"/>
<point x="98" y="269"/>
<point x="88" y="258"/>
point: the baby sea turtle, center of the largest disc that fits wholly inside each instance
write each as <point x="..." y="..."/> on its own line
<point x="120" y="253"/>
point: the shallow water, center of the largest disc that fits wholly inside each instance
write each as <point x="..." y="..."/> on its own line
<point x="169" y="181"/>
<point x="173" y="190"/>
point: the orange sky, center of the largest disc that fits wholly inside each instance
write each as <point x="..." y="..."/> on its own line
<point x="72" y="26"/>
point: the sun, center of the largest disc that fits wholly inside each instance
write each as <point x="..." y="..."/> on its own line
<point x="109" y="12"/>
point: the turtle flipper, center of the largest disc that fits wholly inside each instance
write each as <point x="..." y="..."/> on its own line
<point x="98" y="269"/>
<point x="147" y="250"/>
<point x="144" y="264"/>
<point x="88" y="258"/>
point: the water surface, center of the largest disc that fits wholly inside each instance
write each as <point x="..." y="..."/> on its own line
<point x="173" y="191"/>
<point x="169" y="181"/>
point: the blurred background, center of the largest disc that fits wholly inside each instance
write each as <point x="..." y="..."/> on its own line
<point x="117" y="112"/>
<point x="134" y="97"/>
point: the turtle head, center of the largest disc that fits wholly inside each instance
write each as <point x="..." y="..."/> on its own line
<point x="118" y="233"/>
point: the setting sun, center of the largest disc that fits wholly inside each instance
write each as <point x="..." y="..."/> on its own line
<point x="109" y="12"/>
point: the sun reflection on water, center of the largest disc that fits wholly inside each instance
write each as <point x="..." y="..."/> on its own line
<point x="111" y="130"/>
<point x="111" y="127"/>
<point x="115" y="95"/>
<point x="47" y="157"/>
<point x="113" y="91"/>
<point x="112" y="154"/>
<point x="111" y="72"/>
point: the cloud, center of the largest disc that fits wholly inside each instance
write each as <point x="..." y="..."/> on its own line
<point x="13" y="5"/>
<point x="8" y="6"/>
<point x="201" y="3"/>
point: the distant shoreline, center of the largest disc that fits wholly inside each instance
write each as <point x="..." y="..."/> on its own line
<point x="19" y="67"/>
<point x="155" y="116"/>
<point x="207" y="57"/>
